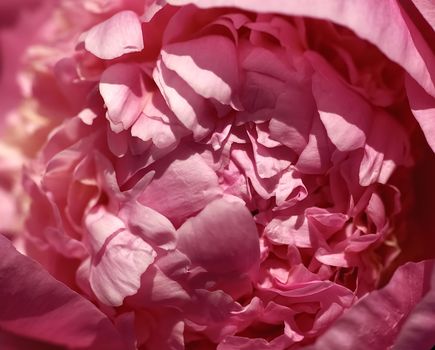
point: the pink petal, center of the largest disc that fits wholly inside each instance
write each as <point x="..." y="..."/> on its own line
<point x="117" y="273"/>
<point x="222" y="238"/>
<point x="119" y="258"/>
<point x="160" y="133"/>
<point x="426" y="9"/>
<point x="315" y="157"/>
<point x="36" y="306"/>
<point x="291" y="230"/>
<point x="149" y="224"/>
<point x="123" y="91"/>
<point x="188" y="183"/>
<point x="418" y="330"/>
<point x="345" y="115"/>
<point x="423" y="108"/>
<point x="208" y="64"/>
<point x="192" y="110"/>
<point x="383" y="313"/>
<point x="293" y="115"/>
<point x="381" y="23"/>
<point x="383" y="154"/>
<point x="117" y="36"/>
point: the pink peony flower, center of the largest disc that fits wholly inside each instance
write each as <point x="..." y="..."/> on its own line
<point x="232" y="175"/>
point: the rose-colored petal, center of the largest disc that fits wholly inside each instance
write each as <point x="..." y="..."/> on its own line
<point x="217" y="236"/>
<point x="36" y="306"/>
<point x="117" y="36"/>
<point x="383" y="313"/>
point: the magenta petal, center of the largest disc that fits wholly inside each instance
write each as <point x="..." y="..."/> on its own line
<point x="117" y="36"/>
<point x="36" y="306"/>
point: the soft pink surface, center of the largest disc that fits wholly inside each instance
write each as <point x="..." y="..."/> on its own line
<point x="232" y="175"/>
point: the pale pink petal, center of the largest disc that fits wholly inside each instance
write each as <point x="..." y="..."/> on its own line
<point x="269" y="162"/>
<point x="154" y="129"/>
<point x="101" y="225"/>
<point x="291" y="230"/>
<point x="290" y="189"/>
<point x="152" y="226"/>
<point x="115" y="273"/>
<point x="123" y="91"/>
<point x="119" y="258"/>
<point x="37" y="307"/>
<point x="315" y="157"/>
<point x="222" y="238"/>
<point x="117" y="36"/>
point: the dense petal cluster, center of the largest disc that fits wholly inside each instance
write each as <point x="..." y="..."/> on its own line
<point x="234" y="175"/>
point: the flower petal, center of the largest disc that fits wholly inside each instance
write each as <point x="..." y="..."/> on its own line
<point x="222" y="238"/>
<point x="117" y="36"/>
<point x="381" y="23"/>
<point x="123" y="90"/>
<point x="382" y="313"/>
<point x="208" y="64"/>
<point x="36" y="306"/>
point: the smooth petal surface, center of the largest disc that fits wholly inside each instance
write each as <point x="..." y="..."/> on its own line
<point x="117" y="36"/>
<point x="215" y="238"/>
<point x="36" y="306"/>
